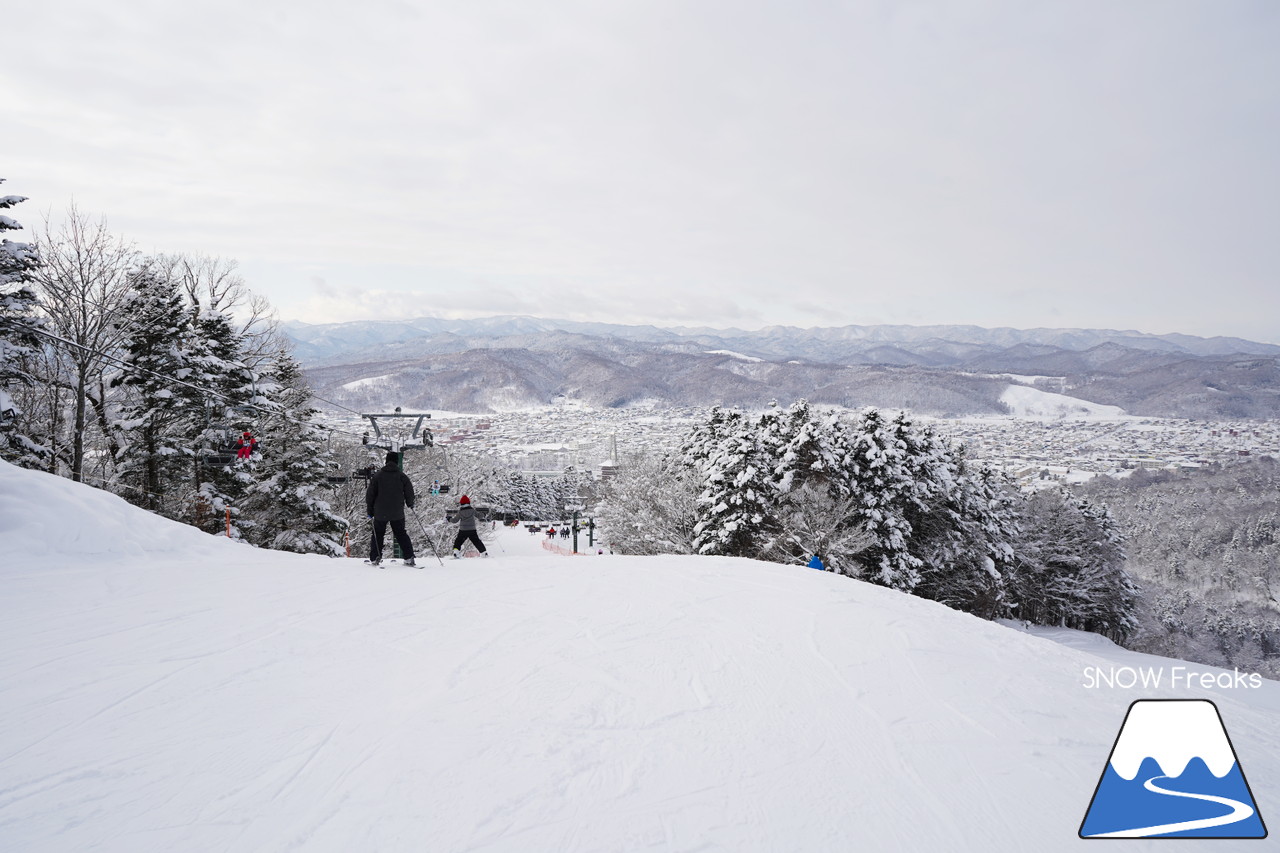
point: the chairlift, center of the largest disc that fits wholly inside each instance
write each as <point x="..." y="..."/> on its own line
<point x="340" y="479"/>
<point x="223" y="432"/>
<point x="218" y="458"/>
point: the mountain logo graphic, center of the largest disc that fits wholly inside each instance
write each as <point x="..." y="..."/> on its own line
<point x="1173" y="773"/>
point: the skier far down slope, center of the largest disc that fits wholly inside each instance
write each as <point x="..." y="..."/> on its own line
<point x="389" y="492"/>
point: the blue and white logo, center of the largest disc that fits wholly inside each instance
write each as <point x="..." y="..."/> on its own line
<point x="1173" y="773"/>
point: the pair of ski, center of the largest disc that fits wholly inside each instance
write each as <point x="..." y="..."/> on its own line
<point x="382" y="564"/>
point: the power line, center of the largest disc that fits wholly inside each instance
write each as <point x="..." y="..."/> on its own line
<point x="316" y="396"/>
<point x="58" y="339"/>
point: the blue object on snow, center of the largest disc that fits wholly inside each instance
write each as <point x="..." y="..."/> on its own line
<point x="816" y="563"/>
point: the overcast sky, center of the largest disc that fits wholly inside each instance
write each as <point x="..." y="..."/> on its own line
<point x="725" y="163"/>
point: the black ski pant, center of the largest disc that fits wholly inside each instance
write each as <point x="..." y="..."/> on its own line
<point x="397" y="530"/>
<point x="464" y="535"/>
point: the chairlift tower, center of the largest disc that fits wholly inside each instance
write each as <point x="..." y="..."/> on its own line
<point x="575" y="505"/>
<point x="394" y="437"/>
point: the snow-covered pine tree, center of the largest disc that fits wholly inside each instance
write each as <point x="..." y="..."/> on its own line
<point x="287" y="502"/>
<point x="881" y="476"/>
<point x="967" y="541"/>
<point x="18" y="338"/>
<point x="229" y="403"/>
<point x="547" y="500"/>
<point x="736" y="497"/>
<point x="702" y="440"/>
<point x="792" y="440"/>
<point x="151" y="461"/>
<point x="519" y="495"/>
<point x="815" y="509"/>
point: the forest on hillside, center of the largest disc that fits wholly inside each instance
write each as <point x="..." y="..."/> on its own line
<point x="1204" y="547"/>
<point x="1185" y="565"/>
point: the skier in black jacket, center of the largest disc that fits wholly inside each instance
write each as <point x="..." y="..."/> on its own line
<point x="389" y="492"/>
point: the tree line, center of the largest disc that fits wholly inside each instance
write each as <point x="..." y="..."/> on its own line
<point x="881" y="499"/>
<point x="1205" y="545"/>
<point x="137" y="373"/>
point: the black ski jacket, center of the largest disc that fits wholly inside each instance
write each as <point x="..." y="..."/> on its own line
<point x="388" y="494"/>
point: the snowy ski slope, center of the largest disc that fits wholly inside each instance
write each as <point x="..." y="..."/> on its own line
<point x="164" y="690"/>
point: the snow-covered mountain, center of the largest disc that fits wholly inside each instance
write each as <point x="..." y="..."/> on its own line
<point x="161" y="689"/>
<point x="316" y="342"/>
<point x="521" y="362"/>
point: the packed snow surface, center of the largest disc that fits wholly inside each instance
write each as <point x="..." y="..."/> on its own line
<point x="733" y="354"/>
<point x="1026" y="402"/>
<point x="357" y="384"/>
<point x="165" y="690"/>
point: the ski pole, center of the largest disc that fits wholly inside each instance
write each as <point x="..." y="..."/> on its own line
<point x="373" y="540"/>
<point x="426" y="535"/>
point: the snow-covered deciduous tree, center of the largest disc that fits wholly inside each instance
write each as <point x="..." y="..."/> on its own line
<point x="18" y="338"/>
<point x="1205" y="546"/>
<point x="650" y="507"/>
<point x="84" y="281"/>
<point x="1069" y="568"/>
<point x="819" y="520"/>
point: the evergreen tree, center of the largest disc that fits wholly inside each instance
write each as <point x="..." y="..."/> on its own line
<point x="880" y="499"/>
<point x="18" y="338"/>
<point x="968" y="542"/>
<point x="524" y="496"/>
<point x="287" y="501"/>
<point x="816" y="510"/>
<point x="735" y="499"/>
<point x="228" y="402"/>
<point x="795" y="441"/>
<point x="880" y="476"/>
<point x="151" y="458"/>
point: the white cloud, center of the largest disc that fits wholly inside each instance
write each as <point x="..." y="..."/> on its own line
<point x="714" y="163"/>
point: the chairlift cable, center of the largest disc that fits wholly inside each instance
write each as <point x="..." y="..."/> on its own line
<point x="58" y="339"/>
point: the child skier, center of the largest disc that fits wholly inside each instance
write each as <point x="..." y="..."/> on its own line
<point x="467" y="529"/>
<point x="246" y="445"/>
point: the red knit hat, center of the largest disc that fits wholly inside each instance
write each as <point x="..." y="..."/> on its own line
<point x="464" y="500"/>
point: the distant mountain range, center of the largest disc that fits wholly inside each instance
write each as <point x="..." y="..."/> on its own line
<point x="504" y="363"/>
